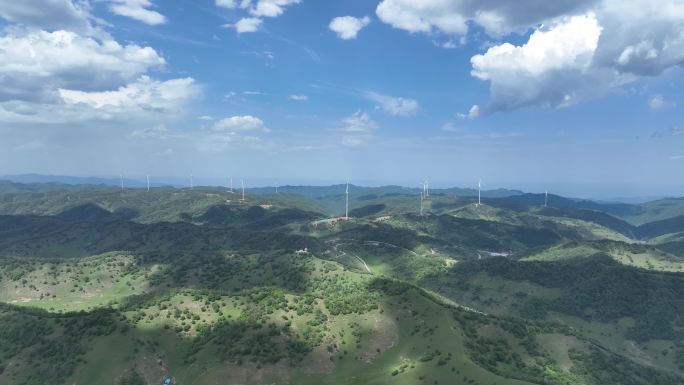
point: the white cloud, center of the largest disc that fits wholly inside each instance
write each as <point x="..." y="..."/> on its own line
<point x="227" y="3"/>
<point x="138" y="10"/>
<point x="359" y="122"/>
<point x="658" y="102"/>
<point x="474" y="112"/>
<point x="144" y="93"/>
<point x="237" y="124"/>
<point x="348" y="27"/>
<point x="235" y="130"/>
<point x="63" y="79"/>
<point x="31" y="72"/>
<point x="267" y="8"/>
<point x="551" y="69"/>
<point x="247" y="25"/>
<point x="258" y="9"/>
<point x="451" y="17"/>
<point x="392" y="105"/>
<point x="358" y="129"/>
<point x="138" y="104"/>
<point x="205" y="117"/>
<point x="570" y="44"/>
<point x="641" y="37"/>
<point x="422" y="16"/>
<point x="47" y="14"/>
<point x="579" y="49"/>
<point x="298" y="98"/>
<point x="676" y="157"/>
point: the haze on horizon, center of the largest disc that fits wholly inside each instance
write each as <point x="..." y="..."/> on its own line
<point x="583" y="97"/>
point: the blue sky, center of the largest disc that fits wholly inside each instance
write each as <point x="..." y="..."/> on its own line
<point x="581" y="97"/>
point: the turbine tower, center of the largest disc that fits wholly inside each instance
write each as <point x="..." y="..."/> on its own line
<point x="421" y="203"/>
<point x="346" y="206"/>
<point x="121" y="177"/>
<point x="479" y="194"/>
<point x="231" y="184"/>
<point x="192" y="182"/>
<point x="423" y="195"/>
<point x="546" y="198"/>
<point x="242" y="182"/>
<point x="148" y="183"/>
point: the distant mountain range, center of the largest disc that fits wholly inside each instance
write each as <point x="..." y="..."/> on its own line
<point x="308" y="191"/>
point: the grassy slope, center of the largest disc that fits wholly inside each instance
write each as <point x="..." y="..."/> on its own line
<point x="656" y="210"/>
<point x="626" y="310"/>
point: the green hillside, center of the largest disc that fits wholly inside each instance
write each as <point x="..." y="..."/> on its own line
<point x="99" y="286"/>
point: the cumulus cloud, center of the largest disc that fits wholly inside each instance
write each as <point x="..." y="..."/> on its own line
<point x="421" y="16"/>
<point x="63" y="77"/>
<point x="497" y="17"/>
<point x="550" y="69"/>
<point x="578" y="37"/>
<point x="577" y="49"/>
<point x="138" y="10"/>
<point x="243" y="130"/>
<point x="658" y="102"/>
<point x="72" y="77"/>
<point x="258" y="9"/>
<point x="47" y="14"/>
<point x="348" y="27"/>
<point x="246" y="25"/>
<point x="298" y="98"/>
<point x="145" y="94"/>
<point x="641" y="37"/>
<point x="392" y="105"/>
<point x="236" y="124"/>
<point x="268" y="8"/>
<point x="30" y="71"/>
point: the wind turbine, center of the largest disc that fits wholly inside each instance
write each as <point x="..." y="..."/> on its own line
<point x="242" y="182"/>
<point x="479" y="189"/>
<point x="346" y="206"/>
<point x="546" y="198"/>
<point x="148" y="183"/>
<point x="423" y="195"/>
<point x="121" y="177"/>
<point x="231" y="184"/>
